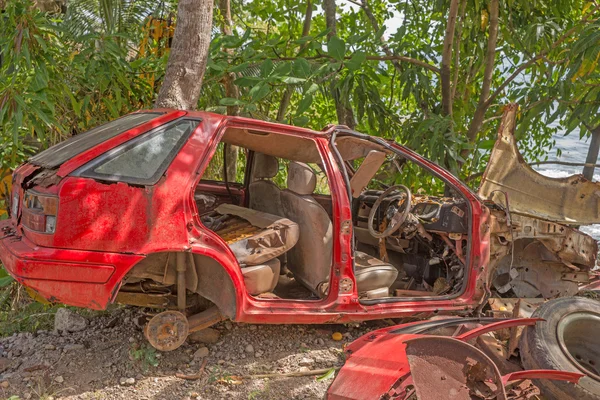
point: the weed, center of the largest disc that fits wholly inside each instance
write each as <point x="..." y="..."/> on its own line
<point x="45" y="390"/>
<point x="20" y="313"/>
<point x="144" y="355"/>
<point x="259" y="393"/>
<point x="23" y="310"/>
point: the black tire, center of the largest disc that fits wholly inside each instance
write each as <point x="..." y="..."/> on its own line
<point x="556" y="344"/>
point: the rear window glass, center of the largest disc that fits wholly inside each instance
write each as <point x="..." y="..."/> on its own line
<point x="63" y="151"/>
<point x="144" y="159"/>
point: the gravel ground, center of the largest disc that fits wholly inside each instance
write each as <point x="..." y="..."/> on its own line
<point x="107" y="357"/>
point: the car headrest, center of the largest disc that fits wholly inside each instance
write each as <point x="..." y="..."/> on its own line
<point x="301" y="178"/>
<point x="265" y="166"/>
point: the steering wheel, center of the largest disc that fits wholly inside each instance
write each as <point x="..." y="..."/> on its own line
<point x="399" y="217"/>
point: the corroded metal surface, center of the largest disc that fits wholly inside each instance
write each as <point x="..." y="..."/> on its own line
<point x="446" y="368"/>
<point x="167" y="331"/>
<point x="534" y="257"/>
<point x="394" y="364"/>
<point x="573" y="200"/>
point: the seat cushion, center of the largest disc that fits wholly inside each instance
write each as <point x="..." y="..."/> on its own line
<point x="271" y="237"/>
<point x="265" y="197"/>
<point x="261" y="278"/>
<point x="310" y="260"/>
<point x="372" y="274"/>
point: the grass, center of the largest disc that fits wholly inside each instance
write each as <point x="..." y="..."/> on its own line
<point x="20" y="312"/>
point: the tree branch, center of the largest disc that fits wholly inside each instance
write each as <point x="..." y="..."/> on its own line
<point x="490" y="58"/>
<point x="445" y="77"/>
<point x="231" y="90"/>
<point x="287" y="95"/>
<point x="389" y="53"/>
<point x="540" y="56"/>
<point x="375" y="58"/>
<point x="330" y="22"/>
<point x="458" y="37"/>
<point x="343" y="109"/>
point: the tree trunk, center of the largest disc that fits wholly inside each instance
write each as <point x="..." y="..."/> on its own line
<point x="231" y="90"/>
<point x="343" y="110"/>
<point x="445" y="76"/>
<point x="189" y="53"/>
<point x="592" y="156"/>
<point x="287" y="95"/>
<point x="330" y="15"/>
<point x="490" y="59"/>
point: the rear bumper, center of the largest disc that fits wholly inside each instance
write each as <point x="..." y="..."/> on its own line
<point x="74" y="277"/>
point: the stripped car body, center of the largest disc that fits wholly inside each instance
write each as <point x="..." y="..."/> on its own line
<point x="536" y="250"/>
<point x="571" y="201"/>
<point x="126" y="213"/>
<point x="417" y="361"/>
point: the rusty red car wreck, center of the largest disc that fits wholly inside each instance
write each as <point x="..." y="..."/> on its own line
<point x="308" y="227"/>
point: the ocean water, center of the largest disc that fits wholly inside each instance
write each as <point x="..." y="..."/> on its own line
<point x="573" y="150"/>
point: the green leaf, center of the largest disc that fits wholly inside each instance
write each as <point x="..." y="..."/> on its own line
<point x="304" y="104"/>
<point x="230" y="101"/>
<point x="6" y="281"/>
<point x="240" y="68"/>
<point x="356" y="61"/>
<point x="247" y="81"/>
<point x="220" y="66"/>
<point x="327" y="375"/>
<point x="259" y="91"/>
<point x="336" y="48"/>
<point x="290" y="80"/>
<point x="311" y="89"/>
<point x="283" y="69"/>
<point x="266" y="68"/>
<point x="301" y="68"/>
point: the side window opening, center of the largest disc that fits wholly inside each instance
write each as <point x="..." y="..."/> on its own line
<point x="144" y="159"/>
<point x="402" y="220"/>
<point x="215" y="169"/>
<point x="279" y="225"/>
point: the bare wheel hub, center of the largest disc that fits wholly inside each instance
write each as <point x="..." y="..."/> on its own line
<point x="167" y="331"/>
<point x="578" y="337"/>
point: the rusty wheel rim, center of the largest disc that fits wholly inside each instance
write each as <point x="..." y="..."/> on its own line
<point x="167" y="331"/>
<point x="579" y="343"/>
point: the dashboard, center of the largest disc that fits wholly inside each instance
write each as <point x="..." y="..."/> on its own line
<point x="442" y="214"/>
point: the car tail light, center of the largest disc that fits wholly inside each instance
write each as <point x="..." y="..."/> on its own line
<point x="39" y="212"/>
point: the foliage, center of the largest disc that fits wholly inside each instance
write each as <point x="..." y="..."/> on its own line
<point x="61" y="76"/>
<point x="551" y="47"/>
<point x="107" y="16"/>
<point x="54" y="85"/>
<point x="5" y="279"/>
<point x="19" y="313"/>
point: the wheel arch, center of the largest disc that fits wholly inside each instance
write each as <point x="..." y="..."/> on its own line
<point x="209" y="273"/>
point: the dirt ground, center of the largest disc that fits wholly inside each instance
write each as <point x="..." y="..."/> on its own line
<point x="110" y="359"/>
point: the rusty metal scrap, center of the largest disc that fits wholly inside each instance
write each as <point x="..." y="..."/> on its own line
<point x="568" y="244"/>
<point x="548" y="258"/>
<point x="573" y="200"/>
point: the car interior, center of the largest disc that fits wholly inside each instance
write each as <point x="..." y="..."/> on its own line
<point x="276" y="216"/>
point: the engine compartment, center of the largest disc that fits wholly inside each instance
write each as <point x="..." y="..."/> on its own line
<point x="429" y="249"/>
